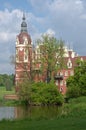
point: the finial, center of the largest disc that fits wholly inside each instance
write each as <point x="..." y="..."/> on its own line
<point x="23" y="24"/>
<point x="23" y="16"/>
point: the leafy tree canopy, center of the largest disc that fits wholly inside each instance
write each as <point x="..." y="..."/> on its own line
<point x="77" y="84"/>
<point x="52" y="51"/>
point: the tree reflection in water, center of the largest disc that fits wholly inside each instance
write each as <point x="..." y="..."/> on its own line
<point x="37" y="112"/>
<point x="32" y="112"/>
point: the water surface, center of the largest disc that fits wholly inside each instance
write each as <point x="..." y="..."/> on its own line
<point x="29" y="112"/>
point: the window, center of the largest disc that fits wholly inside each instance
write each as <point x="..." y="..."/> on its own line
<point x="65" y="83"/>
<point x="17" y="51"/>
<point x="61" y="82"/>
<point x="16" y="75"/>
<point x="66" y="73"/>
<point x="71" y="73"/>
<point x="26" y="54"/>
<point x="81" y="59"/>
<point x="61" y="73"/>
<point x="57" y="82"/>
<point x="17" y="58"/>
<point x="69" y="63"/>
<point x="61" y="89"/>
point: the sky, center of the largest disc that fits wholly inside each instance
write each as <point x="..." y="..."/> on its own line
<point x="65" y="19"/>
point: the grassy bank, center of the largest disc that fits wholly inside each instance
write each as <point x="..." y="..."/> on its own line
<point x="75" y="107"/>
<point x="73" y="117"/>
<point x="67" y="123"/>
<point x="3" y="92"/>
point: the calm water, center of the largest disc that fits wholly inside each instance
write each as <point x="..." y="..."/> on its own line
<point x="31" y="112"/>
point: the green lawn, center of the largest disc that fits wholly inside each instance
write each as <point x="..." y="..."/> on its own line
<point x="71" y="123"/>
<point x="4" y="92"/>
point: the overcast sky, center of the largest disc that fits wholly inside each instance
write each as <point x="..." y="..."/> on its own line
<point x="64" y="18"/>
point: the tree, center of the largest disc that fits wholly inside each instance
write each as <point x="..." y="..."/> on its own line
<point x="80" y="76"/>
<point x="52" y="51"/>
<point x="7" y="81"/>
<point x="1" y="81"/>
<point x="24" y="92"/>
<point x="73" y="89"/>
<point x="77" y="84"/>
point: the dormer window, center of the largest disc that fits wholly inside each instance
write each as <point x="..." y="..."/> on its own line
<point x="69" y="64"/>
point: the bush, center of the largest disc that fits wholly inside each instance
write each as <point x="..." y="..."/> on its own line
<point x="46" y="94"/>
<point x="40" y="93"/>
<point x="73" y="92"/>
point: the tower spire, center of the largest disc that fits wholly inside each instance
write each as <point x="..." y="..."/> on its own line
<point x="23" y="24"/>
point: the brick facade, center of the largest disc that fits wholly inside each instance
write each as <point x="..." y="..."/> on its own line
<point x="26" y="57"/>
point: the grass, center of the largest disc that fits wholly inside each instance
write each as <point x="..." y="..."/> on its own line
<point x="75" y="107"/>
<point x="4" y="92"/>
<point x="54" y="124"/>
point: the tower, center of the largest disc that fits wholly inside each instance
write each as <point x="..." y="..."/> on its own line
<point x="23" y="54"/>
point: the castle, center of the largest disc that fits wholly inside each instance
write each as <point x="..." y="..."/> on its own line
<point x="25" y="56"/>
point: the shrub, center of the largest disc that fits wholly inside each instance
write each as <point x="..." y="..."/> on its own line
<point x="46" y="94"/>
<point x="73" y="92"/>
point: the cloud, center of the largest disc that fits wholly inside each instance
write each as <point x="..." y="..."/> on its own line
<point x="7" y="5"/>
<point x="39" y="6"/>
<point x="65" y="19"/>
<point x="50" y="32"/>
<point x="9" y="26"/>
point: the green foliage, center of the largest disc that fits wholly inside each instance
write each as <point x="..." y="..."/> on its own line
<point x="39" y="93"/>
<point x="46" y="94"/>
<point x="73" y="89"/>
<point x="24" y="92"/>
<point x="73" y="92"/>
<point x="7" y="81"/>
<point x="71" y="81"/>
<point x="76" y="107"/>
<point x="3" y="92"/>
<point x="77" y="84"/>
<point x="52" y="52"/>
<point x="82" y="83"/>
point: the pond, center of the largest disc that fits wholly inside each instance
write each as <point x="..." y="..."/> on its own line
<point x="29" y="112"/>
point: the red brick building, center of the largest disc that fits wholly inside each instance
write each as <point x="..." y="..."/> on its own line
<point x="23" y="53"/>
<point x="26" y="56"/>
<point x="70" y="58"/>
<point x="70" y="62"/>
